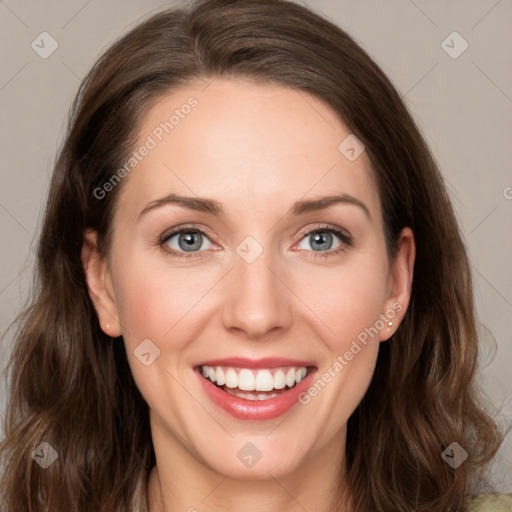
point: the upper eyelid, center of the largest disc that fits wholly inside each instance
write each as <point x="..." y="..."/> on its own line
<point x="327" y="227"/>
<point x="178" y="230"/>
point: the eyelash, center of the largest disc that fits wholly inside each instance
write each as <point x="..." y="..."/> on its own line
<point x="346" y="240"/>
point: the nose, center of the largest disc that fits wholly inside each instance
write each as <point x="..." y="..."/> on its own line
<point x="257" y="299"/>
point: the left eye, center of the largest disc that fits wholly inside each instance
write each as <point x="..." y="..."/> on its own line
<point x="321" y="239"/>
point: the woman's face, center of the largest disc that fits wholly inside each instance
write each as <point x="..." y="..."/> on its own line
<point x="266" y="288"/>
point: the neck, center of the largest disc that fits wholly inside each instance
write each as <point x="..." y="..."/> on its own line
<point x="180" y="482"/>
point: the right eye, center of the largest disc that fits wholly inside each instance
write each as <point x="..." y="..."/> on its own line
<point x="184" y="242"/>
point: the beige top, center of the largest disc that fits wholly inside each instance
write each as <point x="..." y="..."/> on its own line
<point x="491" y="503"/>
<point x="140" y="499"/>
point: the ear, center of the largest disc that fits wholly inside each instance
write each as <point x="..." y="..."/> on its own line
<point x="99" y="284"/>
<point x="400" y="283"/>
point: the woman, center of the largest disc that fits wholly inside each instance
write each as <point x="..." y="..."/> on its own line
<point x="253" y="293"/>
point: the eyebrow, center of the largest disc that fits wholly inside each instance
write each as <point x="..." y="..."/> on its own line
<point x="213" y="207"/>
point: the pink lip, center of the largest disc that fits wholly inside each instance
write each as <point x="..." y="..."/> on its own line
<point x="266" y="362"/>
<point x="254" y="409"/>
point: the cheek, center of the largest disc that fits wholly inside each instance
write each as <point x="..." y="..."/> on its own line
<point x="351" y="306"/>
<point x="354" y="308"/>
<point x="162" y="303"/>
<point x="145" y="305"/>
<point x="152" y="304"/>
<point x="152" y="298"/>
<point x="351" y="300"/>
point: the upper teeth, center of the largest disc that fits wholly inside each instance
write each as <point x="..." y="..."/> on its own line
<point x="255" y="380"/>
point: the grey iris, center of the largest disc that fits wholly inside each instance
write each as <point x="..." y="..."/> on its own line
<point x="188" y="239"/>
<point x="320" y="237"/>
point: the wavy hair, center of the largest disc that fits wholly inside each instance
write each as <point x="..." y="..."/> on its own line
<point x="71" y="385"/>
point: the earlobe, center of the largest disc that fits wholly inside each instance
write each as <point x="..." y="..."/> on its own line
<point x="97" y="276"/>
<point x="401" y="283"/>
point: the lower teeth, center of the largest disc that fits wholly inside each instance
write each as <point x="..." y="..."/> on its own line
<point x="251" y="395"/>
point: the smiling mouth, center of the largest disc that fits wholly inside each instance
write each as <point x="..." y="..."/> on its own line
<point x="255" y="384"/>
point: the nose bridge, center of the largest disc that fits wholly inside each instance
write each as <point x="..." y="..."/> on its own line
<point x="256" y="301"/>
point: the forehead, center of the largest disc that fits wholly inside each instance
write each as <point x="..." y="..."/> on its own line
<point x="249" y="145"/>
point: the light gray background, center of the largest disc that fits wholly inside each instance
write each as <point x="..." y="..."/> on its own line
<point x="463" y="106"/>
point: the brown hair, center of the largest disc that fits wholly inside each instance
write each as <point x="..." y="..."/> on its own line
<point x="71" y="385"/>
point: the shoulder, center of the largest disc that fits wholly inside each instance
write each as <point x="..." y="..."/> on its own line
<point x="490" y="503"/>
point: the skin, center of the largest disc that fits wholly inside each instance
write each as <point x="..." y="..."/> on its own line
<point x="257" y="149"/>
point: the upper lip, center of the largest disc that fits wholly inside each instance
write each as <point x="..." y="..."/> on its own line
<point x="266" y="362"/>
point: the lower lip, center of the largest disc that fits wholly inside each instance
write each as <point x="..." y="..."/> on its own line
<point x="255" y="409"/>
